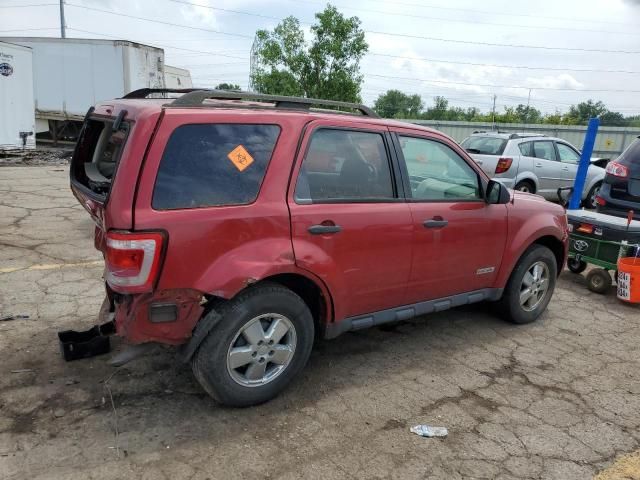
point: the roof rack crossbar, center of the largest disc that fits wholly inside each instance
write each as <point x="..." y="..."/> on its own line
<point x="197" y="97"/>
<point x="145" y="92"/>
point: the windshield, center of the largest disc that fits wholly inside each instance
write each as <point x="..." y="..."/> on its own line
<point x="484" y="145"/>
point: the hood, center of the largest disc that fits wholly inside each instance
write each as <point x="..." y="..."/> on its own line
<point x="515" y="196"/>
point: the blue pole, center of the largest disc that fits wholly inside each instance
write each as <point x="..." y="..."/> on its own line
<point x="583" y="167"/>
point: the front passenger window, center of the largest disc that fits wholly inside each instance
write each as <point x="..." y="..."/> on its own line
<point x="544" y="150"/>
<point x="437" y="172"/>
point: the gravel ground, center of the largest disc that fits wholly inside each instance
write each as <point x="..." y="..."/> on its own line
<point x="558" y="399"/>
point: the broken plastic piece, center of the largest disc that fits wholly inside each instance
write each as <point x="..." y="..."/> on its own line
<point x="429" y="431"/>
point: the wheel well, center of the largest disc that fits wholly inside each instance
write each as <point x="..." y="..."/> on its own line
<point x="556" y="246"/>
<point x="310" y="294"/>
<point x="534" y="188"/>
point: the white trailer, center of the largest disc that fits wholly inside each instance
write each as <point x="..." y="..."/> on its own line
<point x="175" y="77"/>
<point x="70" y="75"/>
<point x="17" y="122"/>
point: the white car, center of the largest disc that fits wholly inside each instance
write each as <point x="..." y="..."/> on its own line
<point x="532" y="163"/>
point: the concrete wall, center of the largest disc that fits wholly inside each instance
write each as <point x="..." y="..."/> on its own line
<point x="610" y="142"/>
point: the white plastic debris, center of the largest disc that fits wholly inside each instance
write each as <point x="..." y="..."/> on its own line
<point x="429" y="431"/>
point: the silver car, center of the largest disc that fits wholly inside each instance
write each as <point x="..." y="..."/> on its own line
<point x="532" y="163"/>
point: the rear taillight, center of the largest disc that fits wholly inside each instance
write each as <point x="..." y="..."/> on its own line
<point x="132" y="260"/>
<point x="503" y="164"/>
<point x="617" y="170"/>
<point x="600" y="201"/>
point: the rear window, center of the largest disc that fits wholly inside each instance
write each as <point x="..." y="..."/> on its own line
<point x="97" y="154"/>
<point x="206" y="165"/>
<point x="484" y="145"/>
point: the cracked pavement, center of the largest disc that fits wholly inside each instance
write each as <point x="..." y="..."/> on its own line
<point x="558" y="399"/>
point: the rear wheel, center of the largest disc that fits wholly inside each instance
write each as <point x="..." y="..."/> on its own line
<point x="530" y="286"/>
<point x="590" y="201"/>
<point x="599" y="280"/>
<point x="576" y="266"/>
<point x="261" y="343"/>
<point x="525" y="186"/>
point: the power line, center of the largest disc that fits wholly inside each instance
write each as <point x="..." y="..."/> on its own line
<point x="28" y="29"/>
<point x="526" y="67"/>
<point x="160" y="21"/>
<point x="486" y="12"/>
<point x="30" y="5"/>
<point x="220" y="54"/>
<point x="474" y="22"/>
<point x="438" y="39"/>
<point x="502" y="86"/>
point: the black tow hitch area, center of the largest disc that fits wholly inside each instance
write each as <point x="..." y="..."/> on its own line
<point x="75" y="345"/>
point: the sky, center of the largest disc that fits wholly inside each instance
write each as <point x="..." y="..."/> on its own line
<point x="560" y="52"/>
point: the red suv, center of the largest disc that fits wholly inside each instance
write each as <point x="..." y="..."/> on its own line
<point x="243" y="226"/>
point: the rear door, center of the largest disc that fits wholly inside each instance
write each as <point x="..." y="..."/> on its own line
<point x="547" y="168"/>
<point x="349" y="224"/>
<point x="458" y="239"/>
<point x="569" y="158"/>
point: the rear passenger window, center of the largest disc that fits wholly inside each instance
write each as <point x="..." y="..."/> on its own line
<point x="207" y="165"/>
<point x="343" y="165"/>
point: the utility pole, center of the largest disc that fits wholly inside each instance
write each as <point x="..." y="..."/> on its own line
<point x="526" y="117"/>
<point x="493" y="110"/>
<point x="63" y="33"/>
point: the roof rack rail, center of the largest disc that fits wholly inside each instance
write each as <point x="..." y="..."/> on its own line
<point x="195" y="98"/>
<point x="526" y="135"/>
<point x="145" y="92"/>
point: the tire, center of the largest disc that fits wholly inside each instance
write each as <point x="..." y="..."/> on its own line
<point x="243" y="320"/>
<point x="599" y="280"/>
<point x="525" y="186"/>
<point x="510" y="304"/>
<point x="590" y="201"/>
<point x="576" y="266"/>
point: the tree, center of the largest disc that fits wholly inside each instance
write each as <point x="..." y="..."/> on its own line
<point x="396" y="104"/>
<point x="613" y="119"/>
<point x="581" y="113"/>
<point x="228" y="86"/>
<point x="327" y="67"/>
<point x="528" y="114"/>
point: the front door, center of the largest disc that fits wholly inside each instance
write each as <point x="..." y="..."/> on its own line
<point x="458" y="239"/>
<point x="569" y="159"/>
<point x="349" y="225"/>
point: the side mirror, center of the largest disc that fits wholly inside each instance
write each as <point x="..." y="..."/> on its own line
<point x="496" y="193"/>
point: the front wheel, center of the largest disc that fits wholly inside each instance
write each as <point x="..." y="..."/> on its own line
<point x="525" y="186"/>
<point x="599" y="280"/>
<point x="262" y="341"/>
<point x="530" y="286"/>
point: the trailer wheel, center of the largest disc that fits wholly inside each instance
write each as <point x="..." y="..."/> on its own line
<point x="599" y="280"/>
<point x="576" y="266"/>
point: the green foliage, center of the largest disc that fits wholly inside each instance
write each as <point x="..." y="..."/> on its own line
<point x="327" y="66"/>
<point x="396" y="104"/>
<point x="227" y="86"/>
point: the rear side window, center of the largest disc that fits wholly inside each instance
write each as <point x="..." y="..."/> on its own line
<point x="526" y="149"/>
<point x="544" y="150"/>
<point x="345" y="166"/>
<point x="631" y="155"/>
<point x="97" y="154"/>
<point x="484" y="145"/>
<point x="206" y="165"/>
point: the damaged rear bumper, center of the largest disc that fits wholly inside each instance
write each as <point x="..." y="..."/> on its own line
<point x="167" y="316"/>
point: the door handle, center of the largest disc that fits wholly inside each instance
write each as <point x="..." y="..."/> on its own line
<point x="566" y="169"/>
<point x="323" y="229"/>
<point x="538" y="164"/>
<point x="433" y="223"/>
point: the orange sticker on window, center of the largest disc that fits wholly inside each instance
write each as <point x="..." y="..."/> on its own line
<point x="240" y="157"/>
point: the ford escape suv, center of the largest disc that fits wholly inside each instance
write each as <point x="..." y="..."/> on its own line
<point x="242" y="226"/>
